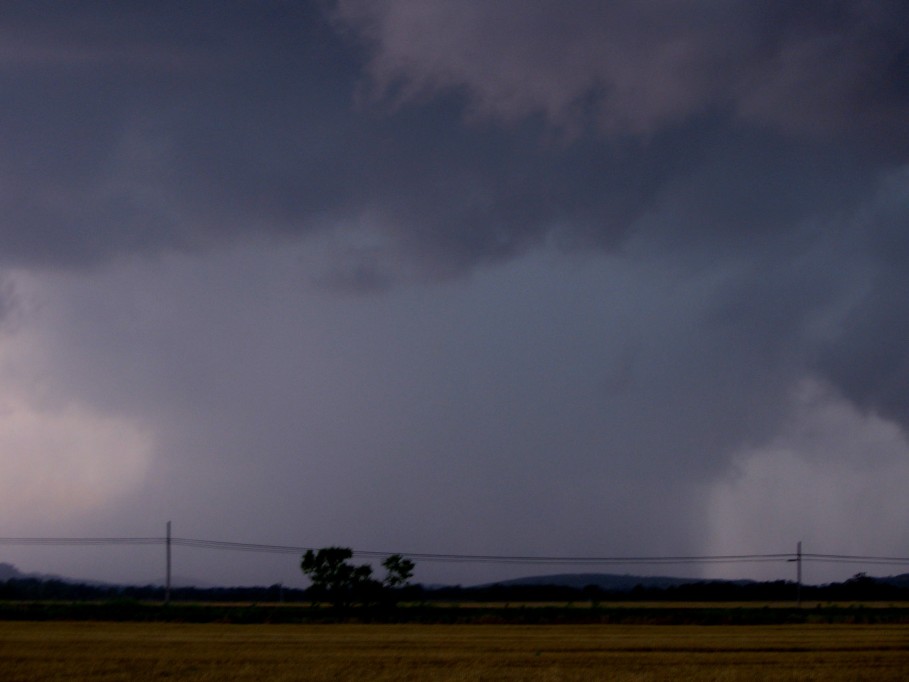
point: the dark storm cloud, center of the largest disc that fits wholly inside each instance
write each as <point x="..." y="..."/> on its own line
<point x="803" y="110"/>
<point x="870" y="359"/>
<point x="130" y="127"/>
<point x="134" y="129"/>
<point x="724" y="182"/>
<point x="124" y="137"/>
<point x="637" y="67"/>
<point x="705" y="130"/>
<point x="106" y="157"/>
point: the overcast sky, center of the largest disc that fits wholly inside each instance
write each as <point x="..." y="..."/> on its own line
<point x="560" y="277"/>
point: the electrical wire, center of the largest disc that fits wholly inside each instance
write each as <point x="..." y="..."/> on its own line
<point x="196" y="543"/>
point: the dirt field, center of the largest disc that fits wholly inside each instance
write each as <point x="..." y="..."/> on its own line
<point x="131" y="651"/>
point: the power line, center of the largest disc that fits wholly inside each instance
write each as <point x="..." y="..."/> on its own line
<point x="485" y="558"/>
<point x="854" y="559"/>
<point x="588" y="560"/>
<point x="81" y="541"/>
<point x="239" y="546"/>
<point x="197" y="543"/>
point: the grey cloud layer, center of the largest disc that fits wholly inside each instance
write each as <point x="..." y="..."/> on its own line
<point x="726" y="182"/>
<point x="638" y="67"/>
<point x="180" y="125"/>
<point x="768" y="132"/>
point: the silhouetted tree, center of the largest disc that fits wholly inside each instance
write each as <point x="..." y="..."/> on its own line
<point x="398" y="571"/>
<point x="335" y="579"/>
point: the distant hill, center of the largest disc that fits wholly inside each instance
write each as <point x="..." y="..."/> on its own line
<point x="901" y="580"/>
<point x="9" y="572"/>
<point x="606" y="581"/>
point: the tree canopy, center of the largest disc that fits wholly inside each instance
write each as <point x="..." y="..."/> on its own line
<point x="399" y="571"/>
<point x="336" y="579"/>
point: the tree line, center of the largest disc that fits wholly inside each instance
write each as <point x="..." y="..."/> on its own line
<point x="336" y="580"/>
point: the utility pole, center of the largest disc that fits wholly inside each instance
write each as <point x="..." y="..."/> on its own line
<point x="798" y="573"/>
<point x="167" y="574"/>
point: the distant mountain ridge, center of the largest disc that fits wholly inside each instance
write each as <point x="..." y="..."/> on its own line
<point x="625" y="583"/>
<point x="606" y="581"/>
<point x="10" y="572"/>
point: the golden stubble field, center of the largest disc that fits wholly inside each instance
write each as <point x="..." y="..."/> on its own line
<point x="163" y="651"/>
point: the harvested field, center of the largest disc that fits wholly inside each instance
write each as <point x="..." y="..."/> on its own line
<point x="157" y="651"/>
